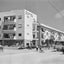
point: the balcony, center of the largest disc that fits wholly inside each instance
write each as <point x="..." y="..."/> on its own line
<point x="36" y="23"/>
<point x="9" y="19"/>
<point x="35" y="31"/>
<point x="8" y="22"/>
<point x="9" y="27"/>
<point x="8" y="36"/>
<point x="8" y="31"/>
<point x="35" y="39"/>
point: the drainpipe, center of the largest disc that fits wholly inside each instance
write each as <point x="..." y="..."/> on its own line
<point x="39" y="36"/>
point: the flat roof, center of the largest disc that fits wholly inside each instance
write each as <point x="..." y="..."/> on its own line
<point x="51" y="28"/>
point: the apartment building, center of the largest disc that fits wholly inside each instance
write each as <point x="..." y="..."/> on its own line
<point x="18" y="27"/>
<point x="21" y="28"/>
<point x="49" y="36"/>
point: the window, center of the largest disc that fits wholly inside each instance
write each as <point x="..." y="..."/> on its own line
<point x="5" y="19"/>
<point x="11" y="26"/>
<point x="42" y="42"/>
<point x="5" y="35"/>
<point x="0" y="27"/>
<point x="31" y="15"/>
<point x="19" y="25"/>
<point x="0" y="35"/>
<point x="34" y="43"/>
<point x="27" y="16"/>
<point x="14" y="34"/>
<point x="34" y="27"/>
<point x="19" y="17"/>
<point x="0" y="19"/>
<point x="5" y="27"/>
<point x="33" y="35"/>
<point x="42" y="29"/>
<point x="9" y="18"/>
<point x="34" y="19"/>
<point x="42" y="35"/>
<point x="27" y="24"/>
<point x="20" y="34"/>
<point x="8" y="35"/>
<point x="27" y="44"/>
<point x="12" y="18"/>
<point x="38" y="27"/>
<point x="27" y="33"/>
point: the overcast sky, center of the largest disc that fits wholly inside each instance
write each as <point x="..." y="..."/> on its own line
<point x="47" y="14"/>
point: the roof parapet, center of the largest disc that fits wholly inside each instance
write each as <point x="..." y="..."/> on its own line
<point x="51" y="28"/>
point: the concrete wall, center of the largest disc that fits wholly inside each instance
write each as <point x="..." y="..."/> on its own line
<point x="2" y="15"/>
<point x="29" y="19"/>
<point x="19" y="24"/>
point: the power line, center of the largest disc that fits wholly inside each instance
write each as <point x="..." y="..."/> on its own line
<point x="55" y="7"/>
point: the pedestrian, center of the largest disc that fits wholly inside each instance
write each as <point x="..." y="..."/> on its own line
<point x="36" y="48"/>
<point x="63" y="50"/>
<point x="40" y="49"/>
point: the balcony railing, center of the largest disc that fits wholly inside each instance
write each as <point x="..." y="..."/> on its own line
<point x="9" y="18"/>
<point x="9" y="27"/>
<point x="35" y="31"/>
<point x="35" y="38"/>
<point x="8" y="36"/>
<point x="36" y="23"/>
<point x="8" y="31"/>
<point x="8" y="22"/>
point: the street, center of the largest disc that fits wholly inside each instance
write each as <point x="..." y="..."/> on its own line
<point x="32" y="57"/>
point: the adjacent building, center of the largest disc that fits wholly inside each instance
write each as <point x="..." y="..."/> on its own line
<point x="49" y="35"/>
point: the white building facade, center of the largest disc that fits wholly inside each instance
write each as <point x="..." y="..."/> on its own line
<point x="17" y="26"/>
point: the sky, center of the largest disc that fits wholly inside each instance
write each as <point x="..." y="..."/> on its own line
<point x="49" y="12"/>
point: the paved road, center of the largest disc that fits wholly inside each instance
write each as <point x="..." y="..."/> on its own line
<point x="32" y="58"/>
